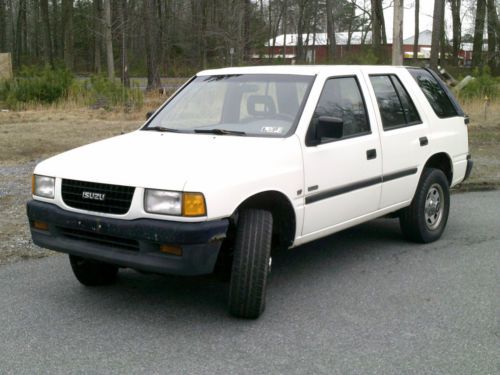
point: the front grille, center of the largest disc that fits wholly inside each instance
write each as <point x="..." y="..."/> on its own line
<point x="99" y="238"/>
<point x="117" y="199"/>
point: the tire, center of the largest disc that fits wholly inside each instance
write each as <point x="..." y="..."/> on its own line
<point x="251" y="262"/>
<point x="425" y="219"/>
<point x="92" y="272"/>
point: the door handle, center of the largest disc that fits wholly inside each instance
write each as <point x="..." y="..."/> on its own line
<point x="371" y="154"/>
<point x="423" y="141"/>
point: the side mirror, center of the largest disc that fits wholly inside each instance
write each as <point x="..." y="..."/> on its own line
<point x="149" y="114"/>
<point x="329" y="127"/>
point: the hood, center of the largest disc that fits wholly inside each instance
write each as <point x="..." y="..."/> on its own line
<point x="162" y="160"/>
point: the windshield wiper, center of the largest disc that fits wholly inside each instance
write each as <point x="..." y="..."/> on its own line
<point x="219" y="131"/>
<point x="162" y="129"/>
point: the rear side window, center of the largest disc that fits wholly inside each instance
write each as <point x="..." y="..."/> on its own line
<point x="396" y="107"/>
<point x="434" y="92"/>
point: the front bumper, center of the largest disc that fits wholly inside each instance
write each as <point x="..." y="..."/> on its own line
<point x="129" y="243"/>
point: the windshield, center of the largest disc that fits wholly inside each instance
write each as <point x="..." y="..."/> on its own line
<point x="248" y="104"/>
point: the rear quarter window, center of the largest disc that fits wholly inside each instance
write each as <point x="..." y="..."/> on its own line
<point x="434" y="92"/>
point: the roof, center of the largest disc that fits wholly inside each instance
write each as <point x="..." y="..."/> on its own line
<point x="424" y="39"/>
<point x="301" y="69"/>
<point x="321" y="39"/>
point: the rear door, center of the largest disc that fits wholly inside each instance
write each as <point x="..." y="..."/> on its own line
<point x="404" y="135"/>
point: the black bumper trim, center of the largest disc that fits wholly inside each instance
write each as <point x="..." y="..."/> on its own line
<point x="468" y="170"/>
<point x="200" y="241"/>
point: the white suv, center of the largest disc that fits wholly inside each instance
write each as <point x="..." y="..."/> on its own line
<point x="242" y="161"/>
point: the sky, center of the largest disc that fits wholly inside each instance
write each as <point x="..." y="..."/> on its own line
<point x="425" y="14"/>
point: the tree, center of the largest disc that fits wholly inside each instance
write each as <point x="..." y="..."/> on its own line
<point x="47" y="37"/>
<point x="109" y="40"/>
<point x="330" y="27"/>
<point x="98" y="33"/>
<point x="457" y="30"/>
<point x="492" y="35"/>
<point x="477" y="46"/>
<point x="3" y="26"/>
<point x="397" y="34"/>
<point x="376" y="24"/>
<point x="68" y="39"/>
<point x="437" y="25"/>
<point x="151" y="43"/>
<point x="416" y="31"/>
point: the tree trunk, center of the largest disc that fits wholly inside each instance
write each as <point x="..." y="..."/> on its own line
<point x="98" y="33"/>
<point x="124" y="21"/>
<point x="376" y="42"/>
<point x="3" y="27"/>
<point x="68" y="41"/>
<point x="285" y="19"/>
<point x="47" y="37"/>
<point x="492" y="37"/>
<point x="151" y="46"/>
<point x="437" y="22"/>
<point x="443" y="42"/>
<point x="247" y="9"/>
<point x="457" y="30"/>
<point x="416" y="31"/>
<point x="109" y="40"/>
<point x="20" y="33"/>
<point x="477" y="48"/>
<point x="330" y="27"/>
<point x="382" y="22"/>
<point x="397" y="33"/>
<point x="56" y="28"/>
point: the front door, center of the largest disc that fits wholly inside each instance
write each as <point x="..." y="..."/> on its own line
<point x="342" y="175"/>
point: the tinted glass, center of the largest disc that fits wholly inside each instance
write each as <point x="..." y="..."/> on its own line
<point x="341" y="97"/>
<point x="388" y="101"/>
<point x="411" y="113"/>
<point x="256" y="104"/>
<point x="434" y="93"/>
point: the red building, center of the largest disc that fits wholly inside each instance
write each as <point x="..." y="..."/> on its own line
<point x="316" y="46"/>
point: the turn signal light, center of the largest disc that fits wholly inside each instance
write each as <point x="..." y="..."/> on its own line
<point x="41" y="225"/>
<point x="193" y="204"/>
<point x="171" y="249"/>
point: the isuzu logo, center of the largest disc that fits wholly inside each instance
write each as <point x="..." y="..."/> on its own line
<point x="93" y="196"/>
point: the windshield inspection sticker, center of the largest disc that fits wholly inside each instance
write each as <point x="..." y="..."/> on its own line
<point x="272" y="129"/>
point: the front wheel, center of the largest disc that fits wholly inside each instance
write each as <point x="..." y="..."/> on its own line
<point x="92" y="272"/>
<point x="251" y="263"/>
<point x="425" y="219"/>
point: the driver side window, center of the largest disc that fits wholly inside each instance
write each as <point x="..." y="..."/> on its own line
<point x="341" y="98"/>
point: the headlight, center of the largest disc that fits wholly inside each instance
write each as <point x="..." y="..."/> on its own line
<point x="174" y="203"/>
<point x="43" y="186"/>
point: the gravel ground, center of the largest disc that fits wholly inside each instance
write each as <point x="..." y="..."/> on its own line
<point x="15" y="239"/>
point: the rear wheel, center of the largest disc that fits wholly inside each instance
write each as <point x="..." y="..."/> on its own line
<point x="251" y="263"/>
<point x="425" y="219"/>
<point x="92" y="272"/>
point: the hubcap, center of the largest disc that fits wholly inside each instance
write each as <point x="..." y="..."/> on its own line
<point x="434" y="205"/>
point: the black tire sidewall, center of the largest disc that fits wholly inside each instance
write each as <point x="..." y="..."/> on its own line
<point x="430" y="177"/>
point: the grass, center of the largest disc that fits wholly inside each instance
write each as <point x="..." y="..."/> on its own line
<point x="42" y="131"/>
